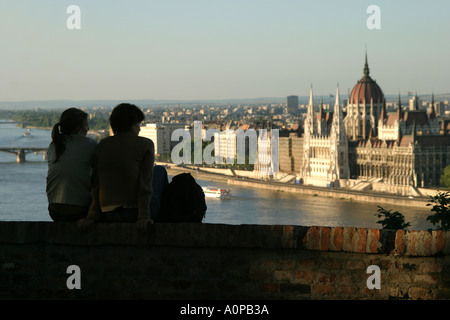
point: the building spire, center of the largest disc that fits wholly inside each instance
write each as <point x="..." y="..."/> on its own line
<point x="416" y="102"/>
<point x="399" y="108"/>
<point x="383" y="114"/>
<point x="337" y="96"/>
<point x="310" y="121"/>
<point x="311" y="99"/>
<point x="433" y="110"/>
<point x="366" y="67"/>
<point x="321" y="114"/>
<point x="338" y="120"/>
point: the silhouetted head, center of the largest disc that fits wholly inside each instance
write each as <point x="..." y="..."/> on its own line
<point x="126" y="117"/>
<point x="72" y="121"/>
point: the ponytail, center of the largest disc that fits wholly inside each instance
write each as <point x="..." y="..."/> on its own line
<point x="58" y="140"/>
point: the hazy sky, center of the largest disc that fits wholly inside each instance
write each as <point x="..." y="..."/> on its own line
<point x="218" y="49"/>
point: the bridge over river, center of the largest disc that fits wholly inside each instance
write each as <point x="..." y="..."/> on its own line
<point x="22" y="151"/>
<point x="22" y="124"/>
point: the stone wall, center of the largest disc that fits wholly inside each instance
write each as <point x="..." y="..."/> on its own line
<point x="217" y="261"/>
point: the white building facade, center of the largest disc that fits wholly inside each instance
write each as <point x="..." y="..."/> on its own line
<point x="160" y="134"/>
<point x="325" y="161"/>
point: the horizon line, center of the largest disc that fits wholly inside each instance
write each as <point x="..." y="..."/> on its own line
<point x="199" y="99"/>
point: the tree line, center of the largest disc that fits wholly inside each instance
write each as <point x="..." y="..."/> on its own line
<point x="48" y="118"/>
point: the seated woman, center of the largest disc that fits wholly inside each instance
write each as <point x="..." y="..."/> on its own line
<point x="123" y="172"/>
<point x="70" y="167"/>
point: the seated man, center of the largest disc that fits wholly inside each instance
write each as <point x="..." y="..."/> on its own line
<point x="122" y="172"/>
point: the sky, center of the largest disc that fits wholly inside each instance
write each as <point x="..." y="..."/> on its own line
<point x="219" y="49"/>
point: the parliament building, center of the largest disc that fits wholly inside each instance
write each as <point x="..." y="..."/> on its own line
<point x="366" y="147"/>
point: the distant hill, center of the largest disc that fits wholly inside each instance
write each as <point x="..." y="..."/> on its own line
<point x="63" y="104"/>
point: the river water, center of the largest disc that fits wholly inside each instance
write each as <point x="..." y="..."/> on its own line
<point x="23" y="198"/>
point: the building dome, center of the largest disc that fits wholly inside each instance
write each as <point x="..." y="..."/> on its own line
<point x="366" y="89"/>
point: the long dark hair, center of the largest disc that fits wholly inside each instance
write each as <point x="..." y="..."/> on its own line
<point x="69" y="123"/>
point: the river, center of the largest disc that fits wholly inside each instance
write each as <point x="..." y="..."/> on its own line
<point x="23" y="198"/>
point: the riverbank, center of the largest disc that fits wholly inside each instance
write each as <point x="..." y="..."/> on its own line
<point x="206" y="173"/>
<point x="343" y="194"/>
<point x="197" y="174"/>
<point x="360" y="196"/>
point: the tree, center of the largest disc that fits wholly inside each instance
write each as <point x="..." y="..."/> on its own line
<point x="445" y="178"/>
<point x="441" y="209"/>
<point x="392" y="220"/>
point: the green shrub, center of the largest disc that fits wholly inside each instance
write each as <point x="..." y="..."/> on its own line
<point x="441" y="209"/>
<point x="392" y="220"/>
<point x="445" y="178"/>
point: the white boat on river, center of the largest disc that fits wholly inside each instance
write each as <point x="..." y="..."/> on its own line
<point x="213" y="192"/>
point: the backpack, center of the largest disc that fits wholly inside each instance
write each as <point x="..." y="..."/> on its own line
<point x="183" y="200"/>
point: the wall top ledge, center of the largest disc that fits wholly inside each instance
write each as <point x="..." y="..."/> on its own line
<point x="340" y="239"/>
